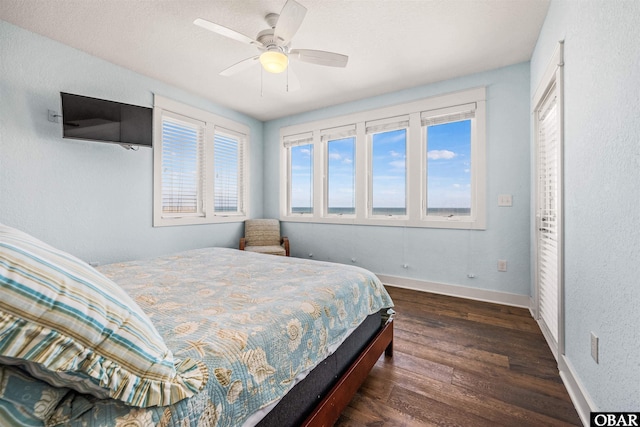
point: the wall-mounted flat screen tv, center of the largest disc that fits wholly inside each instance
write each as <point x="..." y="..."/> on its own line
<point x="95" y="119"/>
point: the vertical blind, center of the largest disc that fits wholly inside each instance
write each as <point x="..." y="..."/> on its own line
<point x="548" y="251"/>
<point x="182" y="156"/>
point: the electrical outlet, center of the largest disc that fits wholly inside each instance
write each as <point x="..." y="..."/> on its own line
<point x="502" y="265"/>
<point x="594" y="347"/>
<point x="505" y="200"/>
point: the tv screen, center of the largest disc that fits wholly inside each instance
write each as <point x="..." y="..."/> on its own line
<point x="106" y="121"/>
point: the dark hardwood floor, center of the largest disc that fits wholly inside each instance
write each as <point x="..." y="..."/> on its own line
<point x="459" y="362"/>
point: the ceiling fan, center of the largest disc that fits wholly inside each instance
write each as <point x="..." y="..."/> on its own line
<point x="274" y="43"/>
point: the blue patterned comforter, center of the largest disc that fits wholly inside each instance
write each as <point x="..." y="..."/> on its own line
<point x="257" y="321"/>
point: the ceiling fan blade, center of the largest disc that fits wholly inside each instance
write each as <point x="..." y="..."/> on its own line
<point x="227" y="32"/>
<point x="319" y="57"/>
<point x="240" y="66"/>
<point x="290" y="19"/>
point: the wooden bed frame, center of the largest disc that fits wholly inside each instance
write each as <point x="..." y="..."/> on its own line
<point x="329" y="409"/>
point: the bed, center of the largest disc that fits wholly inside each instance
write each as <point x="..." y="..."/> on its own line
<point x="226" y="337"/>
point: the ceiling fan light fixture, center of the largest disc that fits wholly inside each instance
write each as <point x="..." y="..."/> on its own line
<point x="274" y="61"/>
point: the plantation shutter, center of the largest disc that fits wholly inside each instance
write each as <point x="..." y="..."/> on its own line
<point x="548" y="218"/>
<point x="182" y="166"/>
<point x="228" y="152"/>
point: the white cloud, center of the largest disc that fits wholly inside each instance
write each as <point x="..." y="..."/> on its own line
<point x="398" y="164"/>
<point x="335" y="156"/>
<point x="305" y="151"/>
<point x="441" y="154"/>
<point x="347" y="161"/>
<point x="395" y="154"/>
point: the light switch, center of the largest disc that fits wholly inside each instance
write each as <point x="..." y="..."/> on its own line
<point x="505" y="200"/>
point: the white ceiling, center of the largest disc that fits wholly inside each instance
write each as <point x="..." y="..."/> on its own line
<point x="391" y="44"/>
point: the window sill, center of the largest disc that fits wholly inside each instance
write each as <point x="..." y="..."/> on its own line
<point x="447" y="223"/>
<point x="215" y="219"/>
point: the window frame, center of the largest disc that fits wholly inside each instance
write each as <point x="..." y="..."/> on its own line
<point x="415" y="165"/>
<point x="165" y="106"/>
<point x="326" y="137"/>
<point x="240" y="140"/>
<point x="394" y="124"/>
<point x="299" y="141"/>
<point x="451" y="112"/>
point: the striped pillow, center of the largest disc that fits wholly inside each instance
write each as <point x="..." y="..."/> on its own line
<point x="59" y="313"/>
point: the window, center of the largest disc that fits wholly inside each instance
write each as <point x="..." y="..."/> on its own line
<point x="341" y="186"/>
<point x="182" y="142"/>
<point x="300" y="179"/>
<point x="388" y="177"/>
<point x="199" y="166"/>
<point x="228" y="168"/>
<point x="420" y="164"/>
<point x="448" y="169"/>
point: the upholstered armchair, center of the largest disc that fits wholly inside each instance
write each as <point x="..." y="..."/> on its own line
<point x="263" y="236"/>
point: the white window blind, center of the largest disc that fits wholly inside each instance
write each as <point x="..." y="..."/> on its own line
<point x="384" y="125"/>
<point x="337" y="133"/>
<point x="228" y="169"/>
<point x="300" y="139"/>
<point x="182" y="156"/>
<point x="200" y="169"/>
<point x="548" y="251"/>
<point x="450" y="114"/>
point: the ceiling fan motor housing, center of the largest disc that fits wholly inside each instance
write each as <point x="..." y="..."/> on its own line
<point x="270" y="42"/>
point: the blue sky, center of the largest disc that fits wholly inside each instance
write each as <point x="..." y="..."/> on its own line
<point x="388" y="158"/>
<point x="302" y="176"/>
<point x="448" y="163"/>
<point x="341" y="173"/>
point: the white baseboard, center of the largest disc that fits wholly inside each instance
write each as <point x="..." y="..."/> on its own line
<point x="457" y="291"/>
<point x="581" y="400"/>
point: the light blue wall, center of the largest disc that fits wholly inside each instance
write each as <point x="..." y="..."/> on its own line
<point x="435" y="255"/>
<point x="601" y="191"/>
<point x="91" y="199"/>
<point x="95" y="200"/>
